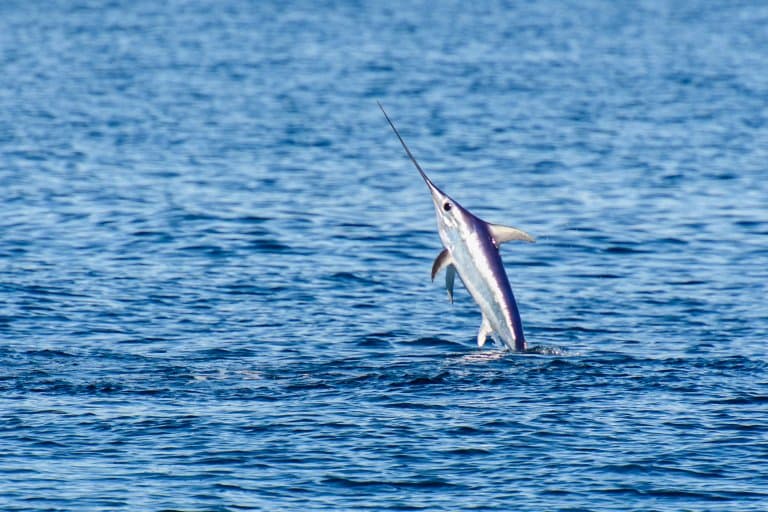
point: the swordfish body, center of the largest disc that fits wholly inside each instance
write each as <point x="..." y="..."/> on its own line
<point x="472" y="251"/>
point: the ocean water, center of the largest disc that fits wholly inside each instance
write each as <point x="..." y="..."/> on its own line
<point x="215" y="257"/>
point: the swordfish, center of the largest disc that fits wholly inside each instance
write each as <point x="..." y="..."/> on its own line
<point x="471" y="249"/>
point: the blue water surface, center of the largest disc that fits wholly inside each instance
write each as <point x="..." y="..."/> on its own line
<point x="215" y="257"/>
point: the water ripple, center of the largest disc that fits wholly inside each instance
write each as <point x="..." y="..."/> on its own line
<point x="214" y="257"/>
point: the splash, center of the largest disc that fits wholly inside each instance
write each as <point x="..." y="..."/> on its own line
<point x="547" y="350"/>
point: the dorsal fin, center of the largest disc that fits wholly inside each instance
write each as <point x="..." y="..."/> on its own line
<point x="503" y="234"/>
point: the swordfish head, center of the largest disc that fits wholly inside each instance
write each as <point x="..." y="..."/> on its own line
<point x="452" y="218"/>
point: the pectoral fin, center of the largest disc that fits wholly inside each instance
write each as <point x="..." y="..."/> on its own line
<point x="503" y="234"/>
<point x="450" y="276"/>
<point x="443" y="260"/>
<point x="485" y="330"/>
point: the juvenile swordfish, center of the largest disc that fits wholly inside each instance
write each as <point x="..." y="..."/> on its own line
<point x="472" y="251"/>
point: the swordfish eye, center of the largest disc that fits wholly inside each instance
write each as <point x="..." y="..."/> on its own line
<point x="447" y="206"/>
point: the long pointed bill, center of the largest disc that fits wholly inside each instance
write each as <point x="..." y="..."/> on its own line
<point x="437" y="194"/>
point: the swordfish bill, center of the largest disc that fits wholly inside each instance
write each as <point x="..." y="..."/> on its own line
<point x="471" y="250"/>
